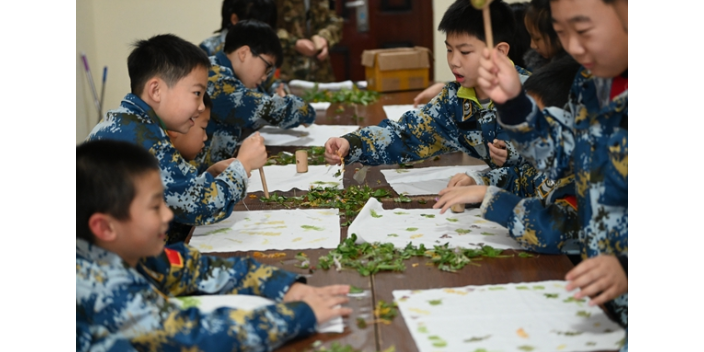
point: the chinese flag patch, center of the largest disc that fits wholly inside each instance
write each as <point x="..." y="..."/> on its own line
<point x="174" y="257"/>
<point x="571" y="200"/>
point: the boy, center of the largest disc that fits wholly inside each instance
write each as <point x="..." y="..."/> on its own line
<point x="589" y="141"/>
<point x="168" y="77"/>
<point x="546" y="223"/>
<point x="460" y="118"/>
<point x="251" y="51"/>
<point x="124" y="275"/>
<point x="307" y="30"/>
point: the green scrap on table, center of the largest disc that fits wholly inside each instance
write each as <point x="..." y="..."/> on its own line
<point x="401" y="213"/>
<point x="435" y="302"/>
<point x="402" y="199"/>
<point x="227" y="229"/>
<point x="487" y="234"/>
<point x="583" y="313"/>
<point x="451" y="219"/>
<point x="526" y="348"/>
<point x="463" y="231"/>
<point x="310" y="227"/>
<point x="316" y="156"/>
<point x="525" y="255"/>
<point x="385" y="312"/>
<point x="477" y="339"/>
<point x="355" y="289"/>
<point x="411" y="229"/>
<point x="374" y="214"/>
<point x="429" y="216"/>
<point x="550" y="295"/>
<point x="189" y="302"/>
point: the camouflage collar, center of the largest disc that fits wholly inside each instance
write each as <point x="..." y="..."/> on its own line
<point x="471" y="94"/>
<point x="96" y="254"/>
<point x="139" y="106"/>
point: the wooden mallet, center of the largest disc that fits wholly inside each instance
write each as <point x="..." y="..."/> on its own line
<point x="484" y="6"/>
<point x="261" y="174"/>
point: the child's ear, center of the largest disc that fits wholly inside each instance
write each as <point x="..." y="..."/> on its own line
<point x="102" y="227"/>
<point x="242" y="52"/>
<point x="503" y="48"/>
<point x="153" y="89"/>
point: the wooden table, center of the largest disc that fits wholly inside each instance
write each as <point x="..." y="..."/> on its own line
<point x="380" y="286"/>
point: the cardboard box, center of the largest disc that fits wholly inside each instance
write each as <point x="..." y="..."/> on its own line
<point x="397" y="69"/>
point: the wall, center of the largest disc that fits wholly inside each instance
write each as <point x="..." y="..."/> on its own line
<point x="105" y="30"/>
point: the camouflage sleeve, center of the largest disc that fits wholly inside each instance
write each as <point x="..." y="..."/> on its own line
<point x="83" y="337"/>
<point x="419" y="134"/>
<point x="182" y="270"/>
<point x="236" y="105"/>
<point x="544" y="138"/>
<point x="198" y="198"/>
<point x="328" y="24"/>
<point x="288" y="42"/>
<point x="535" y="226"/>
<point x="521" y="180"/>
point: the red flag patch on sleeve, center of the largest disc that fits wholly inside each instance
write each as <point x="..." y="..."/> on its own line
<point x="569" y="200"/>
<point x="174" y="257"/>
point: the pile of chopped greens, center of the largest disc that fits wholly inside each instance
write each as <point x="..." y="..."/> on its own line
<point x="317" y="346"/>
<point x="316" y="156"/>
<point x="371" y="258"/>
<point x="349" y="200"/>
<point x="345" y="96"/>
<point x="385" y="312"/>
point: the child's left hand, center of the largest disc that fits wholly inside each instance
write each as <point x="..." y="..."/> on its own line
<point x="459" y="195"/>
<point x="299" y="290"/>
<point x="602" y="278"/>
<point x="498" y="152"/>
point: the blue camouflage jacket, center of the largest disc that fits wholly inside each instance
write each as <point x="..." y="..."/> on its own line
<point x="453" y="121"/>
<point x="196" y="198"/>
<point x="238" y="111"/>
<point x="590" y="140"/>
<point x="120" y="308"/>
<point x="215" y="43"/>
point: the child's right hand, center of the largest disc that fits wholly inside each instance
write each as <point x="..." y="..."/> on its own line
<point x="334" y="148"/>
<point x="427" y="94"/>
<point x="460" y="180"/>
<point x="498" y="77"/>
<point x="459" y="195"/>
<point x="326" y="307"/>
<point x="498" y="152"/>
<point x="252" y="153"/>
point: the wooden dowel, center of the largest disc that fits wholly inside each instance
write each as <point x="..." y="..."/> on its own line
<point x="261" y="174"/>
<point x="487" y="27"/>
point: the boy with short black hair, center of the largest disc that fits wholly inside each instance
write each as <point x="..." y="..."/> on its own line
<point x="125" y="276"/>
<point x="168" y="77"/>
<point x="251" y="51"/>
<point x="190" y="144"/>
<point x="234" y="11"/>
<point x="460" y="118"/>
<point x="590" y="140"/>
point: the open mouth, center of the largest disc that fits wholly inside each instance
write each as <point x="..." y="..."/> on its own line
<point x="459" y="78"/>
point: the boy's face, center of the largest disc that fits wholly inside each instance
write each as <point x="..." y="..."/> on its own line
<point x="255" y="69"/>
<point x="181" y="104"/>
<point x="592" y="34"/>
<point x="463" y="51"/>
<point x="539" y="42"/>
<point x="191" y="143"/>
<point x="143" y="234"/>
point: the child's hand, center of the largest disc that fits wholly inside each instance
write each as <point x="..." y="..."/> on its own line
<point x="498" y="152"/>
<point x="427" y="94"/>
<point x="327" y="307"/>
<point x="298" y="291"/>
<point x="498" y="77"/>
<point x="280" y="90"/>
<point x="305" y="47"/>
<point x="459" y="195"/>
<point x="460" y="180"/>
<point x="602" y="278"/>
<point x="252" y="153"/>
<point x="217" y="168"/>
<point x="334" y="148"/>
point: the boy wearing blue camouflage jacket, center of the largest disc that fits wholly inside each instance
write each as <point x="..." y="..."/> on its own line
<point x="547" y="223"/>
<point x="590" y="140"/>
<point x="168" y="77"/>
<point x="125" y="275"/>
<point x="252" y="50"/>
<point x="460" y="118"/>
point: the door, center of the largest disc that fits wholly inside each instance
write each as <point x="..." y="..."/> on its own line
<point x="378" y="24"/>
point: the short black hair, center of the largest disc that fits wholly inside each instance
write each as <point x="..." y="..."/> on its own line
<point x="260" y="10"/>
<point x="166" y="56"/>
<point x="462" y="18"/>
<point x="259" y="36"/>
<point x="538" y="15"/>
<point x="552" y="82"/>
<point x="521" y="40"/>
<point x="105" y="175"/>
<point x="207" y="102"/>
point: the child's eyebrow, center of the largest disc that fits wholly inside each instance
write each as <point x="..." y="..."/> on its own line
<point x="460" y="45"/>
<point x="157" y="195"/>
<point x="576" y="19"/>
<point x="200" y="85"/>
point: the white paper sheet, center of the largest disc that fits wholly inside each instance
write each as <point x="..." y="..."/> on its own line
<point x="270" y="229"/>
<point x="298" y="83"/>
<point x="394" y="112"/>
<point x="209" y="303"/>
<point x="285" y="178"/>
<point x="311" y="136"/>
<point x="320" y="106"/>
<point x="424" y="181"/>
<point x="533" y="316"/>
<point x="428" y="226"/>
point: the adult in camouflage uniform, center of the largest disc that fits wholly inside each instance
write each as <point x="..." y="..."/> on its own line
<point x="119" y="307"/>
<point x="297" y="27"/>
